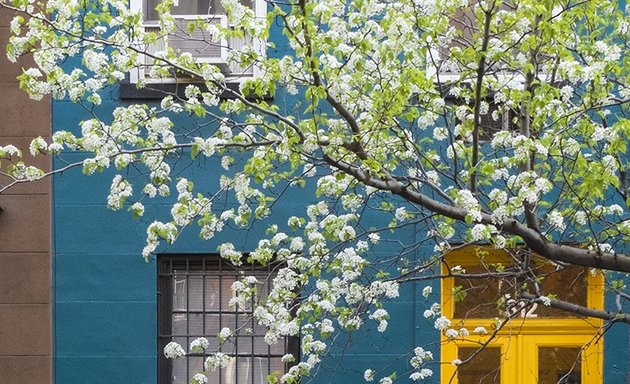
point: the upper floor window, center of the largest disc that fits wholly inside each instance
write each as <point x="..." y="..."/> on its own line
<point x="198" y="42"/>
<point x="195" y="300"/>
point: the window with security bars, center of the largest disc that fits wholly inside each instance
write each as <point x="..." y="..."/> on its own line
<point x="194" y="295"/>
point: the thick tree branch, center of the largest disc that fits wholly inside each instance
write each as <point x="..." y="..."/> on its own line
<point x="532" y="238"/>
<point x="580" y="310"/>
<point x="481" y="69"/>
<point x="525" y="119"/>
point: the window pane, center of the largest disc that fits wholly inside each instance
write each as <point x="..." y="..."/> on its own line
<point x="179" y="293"/>
<point x="568" y="284"/>
<point x="195" y="293"/>
<point x="559" y="365"/>
<point x="482" y="294"/>
<point x="189" y="7"/>
<point x="185" y="7"/>
<point x="180" y="371"/>
<point x="484" y="368"/>
<point x="215" y="287"/>
<point x="226" y="292"/>
<point x="250" y="370"/>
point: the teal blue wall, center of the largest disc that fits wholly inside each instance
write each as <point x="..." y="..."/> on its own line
<point x="105" y="294"/>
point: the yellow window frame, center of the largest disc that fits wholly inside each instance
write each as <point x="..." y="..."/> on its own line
<point x="520" y="338"/>
<point x="519" y="355"/>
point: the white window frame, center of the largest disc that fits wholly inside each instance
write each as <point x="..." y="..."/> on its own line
<point x="138" y="73"/>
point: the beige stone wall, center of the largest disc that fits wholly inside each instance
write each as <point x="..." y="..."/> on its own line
<point x="25" y="237"/>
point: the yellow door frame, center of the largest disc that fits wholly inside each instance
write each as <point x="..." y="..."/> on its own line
<point x="519" y="339"/>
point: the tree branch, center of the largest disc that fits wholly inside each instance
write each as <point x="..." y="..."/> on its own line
<point x="481" y="69"/>
<point x="580" y="310"/>
<point x="532" y="238"/>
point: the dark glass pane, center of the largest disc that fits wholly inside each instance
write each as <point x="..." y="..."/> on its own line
<point x="567" y="284"/>
<point x="559" y="365"/>
<point x="490" y="126"/>
<point x="482" y="294"/>
<point x="484" y="368"/>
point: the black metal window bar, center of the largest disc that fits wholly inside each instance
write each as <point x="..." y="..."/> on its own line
<point x="194" y="295"/>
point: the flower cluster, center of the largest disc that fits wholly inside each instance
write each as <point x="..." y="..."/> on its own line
<point x="173" y="350"/>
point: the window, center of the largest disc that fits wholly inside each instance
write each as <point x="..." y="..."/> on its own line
<point x="201" y="44"/>
<point x="492" y="121"/>
<point x="539" y="344"/>
<point x="194" y="295"/>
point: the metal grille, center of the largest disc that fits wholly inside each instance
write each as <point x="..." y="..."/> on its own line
<point x="194" y="295"/>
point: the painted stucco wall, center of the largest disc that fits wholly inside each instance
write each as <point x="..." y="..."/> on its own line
<point x="105" y="308"/>
<point x="105" y="294"/>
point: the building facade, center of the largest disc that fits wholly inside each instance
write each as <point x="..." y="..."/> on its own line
<point x="79" y="304"/>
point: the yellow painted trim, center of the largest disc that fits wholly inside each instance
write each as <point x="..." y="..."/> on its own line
<point x="592" y="368"/>
<point x="542" y="325"/>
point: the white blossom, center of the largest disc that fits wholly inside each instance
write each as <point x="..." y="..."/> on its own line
<point x="421" y="375"/>
<point x="374" y="237"/>
<point x="556" y="220"/>
<point x="199" y="378"/>
<point x="288" y="358"/>
<point x="225" y="333"/>
<point x="442" y="323"/>
<point x="451" y="333"/>
<point x="218" y="360"/>
<point x="199" y="345"/>
<point x="173" y="350"/>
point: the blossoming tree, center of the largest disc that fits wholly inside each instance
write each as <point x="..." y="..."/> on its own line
<point x="397" y="103"/>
